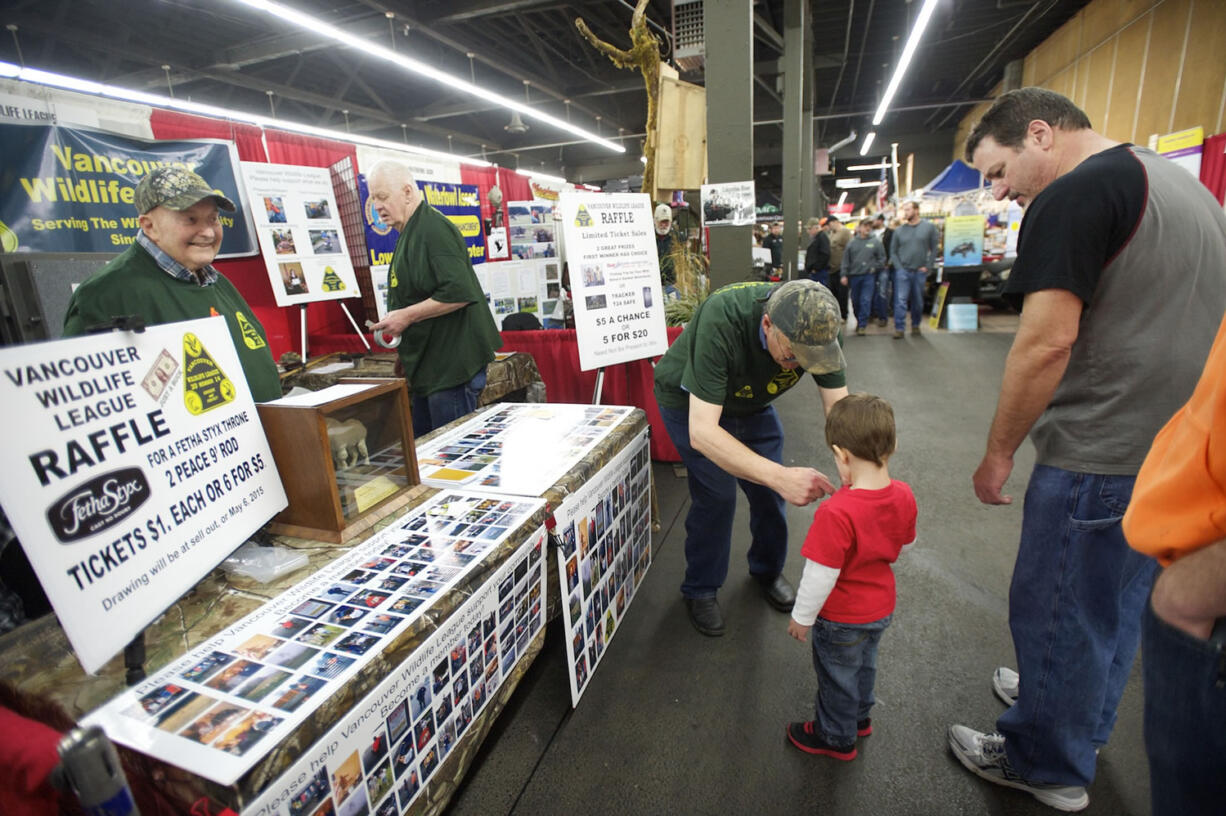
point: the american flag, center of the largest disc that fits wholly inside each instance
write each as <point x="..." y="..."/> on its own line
<point x="883" y="190"/>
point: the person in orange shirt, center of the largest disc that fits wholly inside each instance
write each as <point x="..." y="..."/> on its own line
<point x="1178" y="515"/>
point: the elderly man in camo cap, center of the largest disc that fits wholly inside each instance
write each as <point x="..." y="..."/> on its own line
<point x="167" y="274"/>
<point x="746" y="344"/>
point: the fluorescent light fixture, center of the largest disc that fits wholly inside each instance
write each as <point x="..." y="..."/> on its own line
<point x="853" y="183"/>
<point x="369" y="49"/>
<point x="842" y="198"/>
<point x="114" y="92"/>
<point x="868" y="141"/>
<point x="921" y="22"/>
<point x="883" y="166"/>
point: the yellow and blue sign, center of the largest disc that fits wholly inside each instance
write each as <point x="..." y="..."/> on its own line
<point x="70" y="190"/>
<point x="459" y="202"/>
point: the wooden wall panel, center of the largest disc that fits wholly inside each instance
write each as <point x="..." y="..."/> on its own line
<point x="1157" y="97"/>
<point x="1081" y="81"/>
<point x="1104" y="18"/>
<point x="1204" y="70"/>
<point x="1129" y="56"/>
<point x="1098" y="81"/>
<point x="1061" y="83"/>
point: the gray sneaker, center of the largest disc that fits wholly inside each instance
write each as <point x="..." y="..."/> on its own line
<point x="984" y="755"/>
<point x="1004" y="683"/>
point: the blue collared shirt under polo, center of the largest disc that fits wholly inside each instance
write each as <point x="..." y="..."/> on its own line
<point x="207" y="277"/>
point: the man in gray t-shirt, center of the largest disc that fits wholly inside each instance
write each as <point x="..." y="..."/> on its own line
<point x="913" y="249"/>
<point x="1118" y="248"/>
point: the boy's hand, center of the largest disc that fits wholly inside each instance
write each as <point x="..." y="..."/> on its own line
<point x="798" y="631"/>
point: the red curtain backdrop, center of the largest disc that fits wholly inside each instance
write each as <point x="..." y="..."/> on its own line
<point x="556" y="352"/>
<point x="1213" y="166"/>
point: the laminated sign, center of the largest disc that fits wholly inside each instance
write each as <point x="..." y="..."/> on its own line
<point x="136" y="464"/>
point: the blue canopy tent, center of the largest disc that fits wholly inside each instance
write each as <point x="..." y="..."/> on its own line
<point x="958" y="177"/>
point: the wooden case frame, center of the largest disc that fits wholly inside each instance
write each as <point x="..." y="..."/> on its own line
<point x="298" y="437"/>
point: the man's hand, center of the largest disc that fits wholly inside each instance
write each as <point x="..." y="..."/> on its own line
<point x="797" y="631"/>
<point x="843" y="280"/>
<point x="990" y="478"/>
<point x="924" y="269"/>
<point x="395" y="323"/>
<point x="801" y="486"/>
<point x="1190" y="594"/>
<point x="1165" y="601"/>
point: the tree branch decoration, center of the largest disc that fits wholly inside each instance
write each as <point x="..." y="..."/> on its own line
<point x="644" y="54"/>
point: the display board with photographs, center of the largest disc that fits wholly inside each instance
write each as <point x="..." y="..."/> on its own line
<point x="521" y="286"/>
<point x="520" y="448"/>
<point x="531" y="230"/>
<point x="381" y="758"/>
<point x="604" y="537"/>
<point x="300" y="234"/>
<point x="217" y="710"/>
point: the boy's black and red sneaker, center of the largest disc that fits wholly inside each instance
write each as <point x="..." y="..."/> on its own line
<point x="804" y="736"/>
<point x="864" y="727"/>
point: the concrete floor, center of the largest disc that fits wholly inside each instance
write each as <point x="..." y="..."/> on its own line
<point x="674" y="722"/>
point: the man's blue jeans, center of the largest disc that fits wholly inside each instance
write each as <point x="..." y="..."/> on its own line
<point x="882" y="299"/>
<point x="845" y="657"/>
<point x="863" y="287"/>
<point x="708" y="525"/>
<point x="1185" y="713"/>
<point x="1075" y="608"/>
<point x="436" y="410"/>
<point x="908" y="296"/>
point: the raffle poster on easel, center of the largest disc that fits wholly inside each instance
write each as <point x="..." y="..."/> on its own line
<point x="135" y="464"/>
<point x="300" y="233"/>
<point x="614" y="277"/>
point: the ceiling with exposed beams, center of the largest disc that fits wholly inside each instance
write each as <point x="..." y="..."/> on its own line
<point x="224" y="53"/>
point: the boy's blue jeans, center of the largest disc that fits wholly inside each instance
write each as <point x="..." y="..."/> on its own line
<point x="1075" y="607"/>
<point x="845" y="657"/>
<point x="708" y="525"/>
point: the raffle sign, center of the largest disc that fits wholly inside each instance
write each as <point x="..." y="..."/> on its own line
<point x="300" y="233"/>
<point x="381" y="758"/>
<point x="67" y="190"/>
<point x="614" y="277"/>
<point x="220" y="708"/>
<point x="137" y="463"/>
<point x="604" y="538"/>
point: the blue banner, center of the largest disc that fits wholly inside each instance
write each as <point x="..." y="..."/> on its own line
<point x="459" y="202"/>
<point x="69" y="190"/>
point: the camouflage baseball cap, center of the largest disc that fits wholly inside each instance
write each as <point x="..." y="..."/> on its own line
<point x="176" y="188"/>
<point x="808" y="315"/>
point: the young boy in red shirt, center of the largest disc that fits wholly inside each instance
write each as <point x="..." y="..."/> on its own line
<point x="856" y="535"/>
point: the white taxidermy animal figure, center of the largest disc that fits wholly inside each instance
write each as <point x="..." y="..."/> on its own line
<point x="348" y="441"/>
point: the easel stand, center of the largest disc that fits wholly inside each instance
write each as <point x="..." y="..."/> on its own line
<point x="599" y="386"/>
<point x="303" y="328"/>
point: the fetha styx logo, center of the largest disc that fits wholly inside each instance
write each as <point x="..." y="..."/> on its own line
<point x="102" y="502"/>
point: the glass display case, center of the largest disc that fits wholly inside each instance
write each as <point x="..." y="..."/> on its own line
<point x="343" y="453"/>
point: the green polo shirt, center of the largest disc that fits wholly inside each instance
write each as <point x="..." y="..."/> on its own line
<point x="133" y="283"/>
<point x="721" y="358"/>
<point x="431" y="261"/>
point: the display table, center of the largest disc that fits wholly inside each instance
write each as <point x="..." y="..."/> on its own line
<point x="506" y="377"/>
<point x="327" y="754"/>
